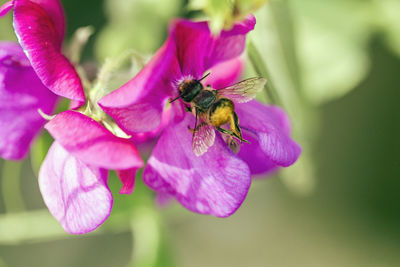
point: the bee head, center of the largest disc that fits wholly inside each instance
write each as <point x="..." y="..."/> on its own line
<point x="189" y="89"/>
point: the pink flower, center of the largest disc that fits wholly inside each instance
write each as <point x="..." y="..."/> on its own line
<point x="217" y="182"/>
<point x="21" y="95"/>
<point x="26" y="78"/>
<point x="73" y="176"/>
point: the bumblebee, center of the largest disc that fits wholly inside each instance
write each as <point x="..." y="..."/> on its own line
<point x="214" y="108"/>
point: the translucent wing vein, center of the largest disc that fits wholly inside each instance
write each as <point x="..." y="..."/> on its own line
<point x="243" y="91"/>
<point x="203" y="138"/>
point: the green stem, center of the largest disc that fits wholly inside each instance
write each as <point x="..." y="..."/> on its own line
<point x="11" y="178"/>
<point x="146" y="234"/>
<point x="39" y="226"/>
<point x="110" y="66"/>
<point x="262" y="71"/>
<point x="79" y="40"/>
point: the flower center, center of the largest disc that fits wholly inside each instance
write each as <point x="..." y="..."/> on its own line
<point x="98" y="90"/>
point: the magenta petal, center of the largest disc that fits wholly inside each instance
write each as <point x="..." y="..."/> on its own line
<point x="55" y="11"/>
<point x="198" y="50"/>
<point x="270" y="128"/>
<point x="255" y="157"/>
<point x="225" y="74"/>
<point x="143" y="137"/>
<point x="188" y="52"/>
<point x="21" y="95"/>
<point x="40" y="29"/>
<point x="137" y="106"/>
<point x="90" y="142"/>
<point x="127" y="178"/>
<point x="6" y="7"/>
<point x="76" y="194"/>
<point x="215" y="183"/>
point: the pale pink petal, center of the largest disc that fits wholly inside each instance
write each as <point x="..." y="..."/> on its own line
<point x="92" y="143"/>
<point x="76" y="194"/>
<point x="21" y="95"/>
<point x="127" y="178"/>
<point x="40" y="29"/>
<point x="215" y="183"/>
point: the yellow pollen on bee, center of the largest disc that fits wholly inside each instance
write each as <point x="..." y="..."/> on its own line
<point x="221" y="115"/>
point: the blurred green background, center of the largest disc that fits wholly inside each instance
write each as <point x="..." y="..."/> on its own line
<point x="334" y="65"/>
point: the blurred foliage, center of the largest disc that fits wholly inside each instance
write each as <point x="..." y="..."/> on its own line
<point x="133" y="24"/>
<point x="272" y="51"/>
<point x="11" y="186"/>
<point x="332" y="42"/>
<point x="5" y="32"/>
<point x="39" y="150"/>
<point x="388" y="21"/>
<point x="224" y="13"/>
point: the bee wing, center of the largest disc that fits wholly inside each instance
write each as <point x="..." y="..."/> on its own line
<point x="243" y="91"/>
<point x="203" y="137"/>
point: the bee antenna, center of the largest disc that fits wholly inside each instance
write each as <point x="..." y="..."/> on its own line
<point x="205" y="76"/>
<point x="175" y="99"/>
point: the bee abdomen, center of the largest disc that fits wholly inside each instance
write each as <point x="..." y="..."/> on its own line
<point x="221" y="112"/>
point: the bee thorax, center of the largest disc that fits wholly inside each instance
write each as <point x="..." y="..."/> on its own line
<point x="204" y="99"/>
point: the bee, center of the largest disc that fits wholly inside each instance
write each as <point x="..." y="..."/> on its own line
<point x="215" y="108"/>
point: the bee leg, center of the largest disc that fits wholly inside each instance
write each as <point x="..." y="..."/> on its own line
<point x="235" y="125"/>
<point x="224" y="131"/>
<point x="235" y="128"/>
<point x="192" y="131"/>
<point x="232" y="134"/>
<point x="188" y="109"/>
<point x="232" y="143"/>
<point x="196" y="129"/>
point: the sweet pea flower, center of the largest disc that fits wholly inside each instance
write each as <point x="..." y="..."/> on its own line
<point x="216" y="182"/>
<point x="73" y="176"/>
